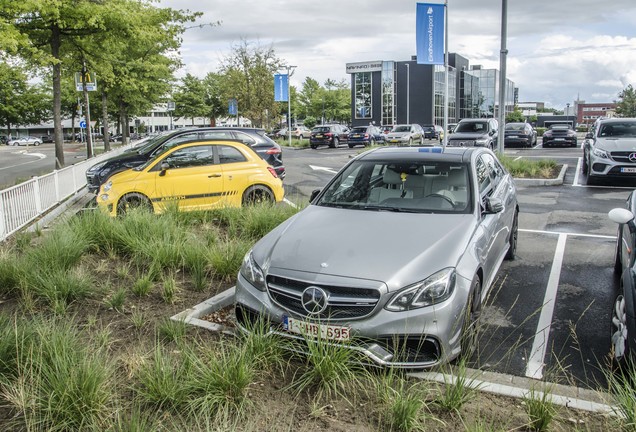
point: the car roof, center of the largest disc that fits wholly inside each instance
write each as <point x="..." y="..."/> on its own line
<point x="617" y="120"/>
<point x="435" y="153"/>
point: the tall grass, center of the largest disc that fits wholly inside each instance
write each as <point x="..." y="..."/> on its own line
<point x="540" y="409"/>
<point x="403" y="404"/>
<point x="61" y="382"/>
<point x="528" y="168"/>
<point x="331" y="370"/>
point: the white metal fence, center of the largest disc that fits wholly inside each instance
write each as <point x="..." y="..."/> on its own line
<point x="23" y="203"/>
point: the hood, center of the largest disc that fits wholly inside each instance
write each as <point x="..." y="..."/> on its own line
<point x="616" y="144"/>
<point x="468" y="135"/>
<point x="398" y="134"/>
<point x="395" y="248"/>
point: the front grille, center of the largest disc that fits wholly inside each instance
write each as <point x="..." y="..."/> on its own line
<point x="92" y="180"/>
<point x="342" y="302"/>
<point x="461" y="143"/>
<point x="622" y="157"/>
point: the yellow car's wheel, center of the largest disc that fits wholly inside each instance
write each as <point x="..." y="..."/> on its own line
<point x="258" y="195"/>
<point x="132" y="201"/>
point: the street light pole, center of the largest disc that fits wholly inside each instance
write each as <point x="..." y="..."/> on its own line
<point x="408" y="93"/>
<point x="290" y="72"/>
<point x="502" y="77"/>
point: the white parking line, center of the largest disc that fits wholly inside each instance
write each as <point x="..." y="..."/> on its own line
<point x="577" y="172"/>
<point x="534" y="368"/>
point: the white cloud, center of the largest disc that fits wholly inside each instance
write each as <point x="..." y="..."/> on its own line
<point x="557" y="49"/>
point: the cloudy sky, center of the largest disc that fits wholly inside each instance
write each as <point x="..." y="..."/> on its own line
<point x="558" y="49"/>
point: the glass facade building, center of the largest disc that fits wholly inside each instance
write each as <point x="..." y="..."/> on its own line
<point x="392" y="92"/>
<point x="488" y="96"/>
<point x="362" y="95"/>
<point x="388" y="93"/>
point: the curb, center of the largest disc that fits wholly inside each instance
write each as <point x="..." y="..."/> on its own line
<point x="543" y="182"/>
<point x="485" y="381"/>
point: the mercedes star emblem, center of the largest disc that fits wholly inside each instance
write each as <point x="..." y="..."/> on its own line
<point x="314" y="300"/>
<point x="632" y="157"/>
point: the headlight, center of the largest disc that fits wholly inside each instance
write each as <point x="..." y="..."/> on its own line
<point x="432" y="290"/>
<point x="252" y="272"/>
<point x="481" y="141"/>
<point x="97" y="167"/>
<point x="108" y="186"/>
<point x="600" y="153"/>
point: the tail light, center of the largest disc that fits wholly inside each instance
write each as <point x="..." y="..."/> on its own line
<point x="272" y="171"/>
<point x="366" y="135"/>
<point x="329" y="134"/>
<point x="273" y="151"/>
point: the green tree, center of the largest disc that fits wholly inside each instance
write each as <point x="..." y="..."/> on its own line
<point x="247" y="76"/>
<point x="516" y="116"/>
<point x="190" y="99"/>
<point x="310" y="122"/>
<point x="20" y="103"/>
<point x="213" y="99"/>
<point x="81" y="31"/>
<point x="626" y="105"/>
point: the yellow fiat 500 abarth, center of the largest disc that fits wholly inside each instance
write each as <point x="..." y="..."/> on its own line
<point x="194" y="176"/>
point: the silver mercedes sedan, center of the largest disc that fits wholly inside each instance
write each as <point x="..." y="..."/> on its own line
<point x="393" y="258"/>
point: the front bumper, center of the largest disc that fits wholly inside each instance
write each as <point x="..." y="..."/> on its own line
<point x="419" y="338"/>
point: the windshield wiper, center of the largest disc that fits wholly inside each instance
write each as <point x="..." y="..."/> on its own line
<point x="390" y="208"/>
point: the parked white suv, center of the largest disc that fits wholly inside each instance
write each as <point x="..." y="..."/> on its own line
<point x="609" y="150"/>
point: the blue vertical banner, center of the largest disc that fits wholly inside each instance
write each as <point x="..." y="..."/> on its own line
<point x="232" y="106"/>
<point x="429" y="33"/>
<point x="281" y="87"/>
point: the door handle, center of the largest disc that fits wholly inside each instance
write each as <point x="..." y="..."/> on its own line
<point x="214" y="175"/>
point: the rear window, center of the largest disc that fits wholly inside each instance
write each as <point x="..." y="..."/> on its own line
<point x="321" y="129"/>
<point x="515" y="126"/>
<point x="359" y="130"/>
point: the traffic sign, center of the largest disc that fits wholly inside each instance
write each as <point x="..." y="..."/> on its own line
<point x="82" y="124"/>
<point x="233" y="106"/>
<point x="91" y="81"/>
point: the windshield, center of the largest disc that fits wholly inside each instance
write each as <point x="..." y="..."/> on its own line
<point x="150" y="144"/>
<point x="411" y="187"/>
<point x="402" y="128"/>
<point x="623" y="129"/>
<point x="471" y="127"/>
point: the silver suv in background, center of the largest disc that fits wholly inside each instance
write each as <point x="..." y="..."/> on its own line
<point x="476" y="132"/>
<point x="610" y="150"/>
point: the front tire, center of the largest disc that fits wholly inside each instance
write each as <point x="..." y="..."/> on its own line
<point x="133" y="201"/>
<point x="512" y="241"/>
<point x="469" y="336"/>
<point x="255" y="195"/>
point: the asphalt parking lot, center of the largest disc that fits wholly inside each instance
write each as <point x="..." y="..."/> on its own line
<point x="548" y="314"/>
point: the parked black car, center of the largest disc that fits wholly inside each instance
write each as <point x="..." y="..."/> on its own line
<point x="623" y="314"/>
<point x="331" y="135"/>
<point x="559" y="135"/>
<point x="480" y="132"/>
<point x="433" y="132"/>
<point x="254" y="138"/>
<point x="519" y="134"/>
<point x="47" y="138"/>
<point x="365" y="135"/>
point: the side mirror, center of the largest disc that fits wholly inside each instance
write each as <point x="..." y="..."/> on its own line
<point x="494" y="205"/>
<point x="164" y="167"/>
<point x="314" y="194"/>
<point x="589" y="135"/>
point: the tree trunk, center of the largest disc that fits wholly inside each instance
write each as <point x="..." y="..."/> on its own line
<point x="57" y="98"/>
<point x="89" y="135"/>
<point x="105" y="121"/>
